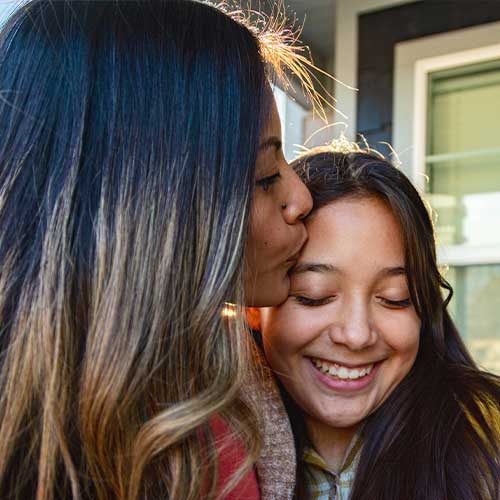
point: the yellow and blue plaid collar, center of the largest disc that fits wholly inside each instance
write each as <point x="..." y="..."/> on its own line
<point x="322" y="483"/>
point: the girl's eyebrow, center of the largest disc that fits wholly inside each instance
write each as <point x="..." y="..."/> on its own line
<point x="270" y="142"/>
<point x="391" y="271"/>
<point x="322" y="268"/>
<point x="315" y="267"/>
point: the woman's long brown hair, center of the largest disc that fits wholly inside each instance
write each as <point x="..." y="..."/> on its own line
<point x="437" y="436"/>
<point x="129" y="133"/>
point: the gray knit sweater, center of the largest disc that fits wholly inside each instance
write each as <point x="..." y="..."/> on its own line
<point x="277" y="463"/>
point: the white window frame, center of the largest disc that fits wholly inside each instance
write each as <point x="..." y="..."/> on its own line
<point x="414" y="61"/>
<point x="7" y="8"/>
<point x="344" y="64"/>
<point x="292" y="115"/>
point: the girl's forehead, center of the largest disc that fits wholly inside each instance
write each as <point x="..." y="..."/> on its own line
<point x="365" y="221"/>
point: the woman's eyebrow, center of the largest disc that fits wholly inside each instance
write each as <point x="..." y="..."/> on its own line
<point x="270" y="142"/>
<point x="314" y="267"/>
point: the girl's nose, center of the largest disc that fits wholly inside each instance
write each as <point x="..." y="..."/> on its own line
<point x="353" y="327"/>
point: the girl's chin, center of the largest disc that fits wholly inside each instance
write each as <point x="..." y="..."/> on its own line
<point x="340" y="422"/>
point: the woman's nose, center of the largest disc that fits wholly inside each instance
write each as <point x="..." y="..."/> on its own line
<point x="297" y="201"/>
<point x="353" y="327"/>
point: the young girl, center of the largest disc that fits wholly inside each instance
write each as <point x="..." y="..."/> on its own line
<point x="142" y="186"/>
<point x="385" y="400"/>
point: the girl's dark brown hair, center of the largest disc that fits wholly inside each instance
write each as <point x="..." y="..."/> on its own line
<point x="437" y="436"/>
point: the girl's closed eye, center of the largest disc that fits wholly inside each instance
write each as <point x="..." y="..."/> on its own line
<point x="310" y="302"/>
<point x="266" y="182"/>
<point x="395" y="304"/>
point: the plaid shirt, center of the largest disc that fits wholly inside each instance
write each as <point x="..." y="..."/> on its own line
<point x="322" y="483"/>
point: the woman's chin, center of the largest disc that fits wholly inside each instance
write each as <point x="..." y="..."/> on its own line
<point x="268" y="291"/>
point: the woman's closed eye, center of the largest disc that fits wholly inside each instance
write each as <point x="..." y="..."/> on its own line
<point x="266" y="182"/>
<point x="310" y="302"/>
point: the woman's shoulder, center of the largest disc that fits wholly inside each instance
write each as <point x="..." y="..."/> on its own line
<point x="276" y="468"/>
<point x="232" y="454"/>
<point x="274" y="474"/>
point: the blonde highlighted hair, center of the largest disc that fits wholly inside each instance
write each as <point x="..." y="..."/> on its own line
<point x="129" y="138"/>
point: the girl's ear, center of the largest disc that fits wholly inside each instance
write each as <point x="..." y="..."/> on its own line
<point x="253" y="317"/>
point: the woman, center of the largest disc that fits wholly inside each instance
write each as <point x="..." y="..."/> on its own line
<point x="386" y="402"/>
<point x="139" y="146"/>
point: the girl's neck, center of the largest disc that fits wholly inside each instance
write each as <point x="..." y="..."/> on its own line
<point x="331" y="443"/>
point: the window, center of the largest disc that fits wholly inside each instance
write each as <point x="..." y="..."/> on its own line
<point x="292" y="116"/>
<point x="7" y="7"/>
<point x="463" y="167"/>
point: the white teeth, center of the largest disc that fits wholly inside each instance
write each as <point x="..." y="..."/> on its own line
<point x="341" y="372"/>
<point x="333" y="370"/>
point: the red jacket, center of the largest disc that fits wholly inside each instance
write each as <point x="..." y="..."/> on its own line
<point x="231" y="456"/>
